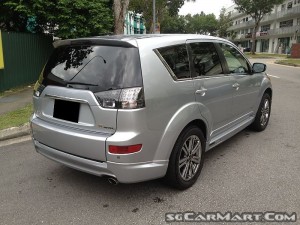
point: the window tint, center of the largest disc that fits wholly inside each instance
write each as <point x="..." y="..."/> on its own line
<point x="177" y="59"/>
<point x="97" y="68"/>
<point x="236" y="62"/>
<point x="205" y="59"/>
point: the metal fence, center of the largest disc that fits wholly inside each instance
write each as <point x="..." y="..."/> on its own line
<point x="24" y="57"/>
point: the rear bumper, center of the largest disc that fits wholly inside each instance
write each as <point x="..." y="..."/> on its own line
<point x="123" y="172"/>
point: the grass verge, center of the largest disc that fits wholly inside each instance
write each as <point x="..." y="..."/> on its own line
<point x="16" y="118"/>
<point x="264" y="55"/>
<point x="289" y="62"/>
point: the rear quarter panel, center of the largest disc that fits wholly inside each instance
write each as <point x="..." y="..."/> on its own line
<point x="170" y="105"/>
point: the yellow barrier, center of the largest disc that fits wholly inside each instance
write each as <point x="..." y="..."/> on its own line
<point x="1" y="53"/>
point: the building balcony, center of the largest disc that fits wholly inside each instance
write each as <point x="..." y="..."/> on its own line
<point x="284" y="31"/>
<point x="237" y="14"/>
<point x="242" y="25"/>
<point x="289" y="13"/>
<point x="280" y="15"/>
<point x="290" y="31"/>
<point x="285" y="14"/>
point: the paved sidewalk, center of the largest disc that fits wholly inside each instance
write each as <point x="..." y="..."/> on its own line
<point x="13" y="101"/>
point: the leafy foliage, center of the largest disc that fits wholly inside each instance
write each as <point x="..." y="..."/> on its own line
<point x="174" y="25"/>
<point x="199" y="23"/>
<point x="202" y="24"/>
<point x="63" y="18"/>
<point x="13" y="16"/>
<point x="256" y="8"/>
<point x="164" y="9"/>
<point x="145" y="7"/>
<point x="224" y="23"/>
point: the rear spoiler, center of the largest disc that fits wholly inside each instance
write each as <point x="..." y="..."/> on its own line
<point x="94" y="41"/>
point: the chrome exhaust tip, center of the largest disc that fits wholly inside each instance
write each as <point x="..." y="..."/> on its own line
<point x="113" y="181"/>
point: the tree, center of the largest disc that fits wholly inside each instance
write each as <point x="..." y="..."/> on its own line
<point x="62" y="18"/>
<point x="173" y="25"/>
<point x="145" y="7"/>
<point x="164" y="8"/>
<point x="202" y="24"/>
<point x="11" y="19"/>
<point x="224" y="23"/>
<point x="92" y="18"/>
<point x="120" y="10"/>
<point x="256" y="9"/>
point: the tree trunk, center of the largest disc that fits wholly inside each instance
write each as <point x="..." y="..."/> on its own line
<point x="120" y="9"/>
<point x="253" y="47"/>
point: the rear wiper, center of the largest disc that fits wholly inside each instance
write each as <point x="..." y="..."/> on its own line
<point x="81" y="83"/>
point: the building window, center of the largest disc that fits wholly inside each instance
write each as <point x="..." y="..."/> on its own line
<point x="265" y="27"/>
<point x="282" y="7"/>
<point x="289" y="5"/>
<point x="298" y="21"/>
<point x="288" y="23"/>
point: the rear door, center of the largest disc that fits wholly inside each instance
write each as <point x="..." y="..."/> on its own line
<point x="213" y="88"/>
<point x="79" y="89"/>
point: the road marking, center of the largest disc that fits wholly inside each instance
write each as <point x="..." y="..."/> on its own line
<point x="273" y="76"/>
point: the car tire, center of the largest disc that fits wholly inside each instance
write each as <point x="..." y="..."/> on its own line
<point x="263" y="114"/>
<point x="186" y="160"/>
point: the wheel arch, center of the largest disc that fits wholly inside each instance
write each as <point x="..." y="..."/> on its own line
<point x="188" y="115"/>
<point x="200" y="124"/>
<point x="269" y="91"/>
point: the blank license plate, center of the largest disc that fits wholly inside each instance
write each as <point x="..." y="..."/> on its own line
<point x="66" y="110"/>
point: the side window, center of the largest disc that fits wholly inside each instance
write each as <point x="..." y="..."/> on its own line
<point x="177" y="59"/>
<point x="205" y="59"/>
<point x="237" y="64"/>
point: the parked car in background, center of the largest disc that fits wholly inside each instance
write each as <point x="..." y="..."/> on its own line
<point x="136" y="108"/>
<point x="247" y="49"/>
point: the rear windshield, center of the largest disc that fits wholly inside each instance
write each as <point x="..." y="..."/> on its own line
<point x="97" y="68"/>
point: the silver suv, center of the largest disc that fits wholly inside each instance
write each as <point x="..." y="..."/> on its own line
<point x="135" y="108"/>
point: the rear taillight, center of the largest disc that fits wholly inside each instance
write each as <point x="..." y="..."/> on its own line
<point x="124" y="149"/>
<point x="38" y="89"/>
<point x="129" y="98"/>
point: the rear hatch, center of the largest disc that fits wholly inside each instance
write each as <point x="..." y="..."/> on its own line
<point x="82" y="85"/>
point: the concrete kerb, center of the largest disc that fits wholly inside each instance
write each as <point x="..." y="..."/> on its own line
<point x="15" y="132"/>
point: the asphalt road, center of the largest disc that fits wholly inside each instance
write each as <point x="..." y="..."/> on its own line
<point x="250" y="172"/>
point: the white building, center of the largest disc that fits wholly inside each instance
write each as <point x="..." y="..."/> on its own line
<point x="277" y="32"/>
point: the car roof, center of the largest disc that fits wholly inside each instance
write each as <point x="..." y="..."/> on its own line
<point x="155" y="36"/>
<point x="153" y="40"/>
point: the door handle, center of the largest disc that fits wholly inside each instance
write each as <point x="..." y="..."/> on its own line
<point x="201" y="92"/>
<point x="236" y="86"/>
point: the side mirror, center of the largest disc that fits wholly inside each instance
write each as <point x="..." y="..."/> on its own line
<point x="259" y="67"/>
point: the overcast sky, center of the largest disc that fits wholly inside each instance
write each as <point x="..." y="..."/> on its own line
<point x="207" y="6"/>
